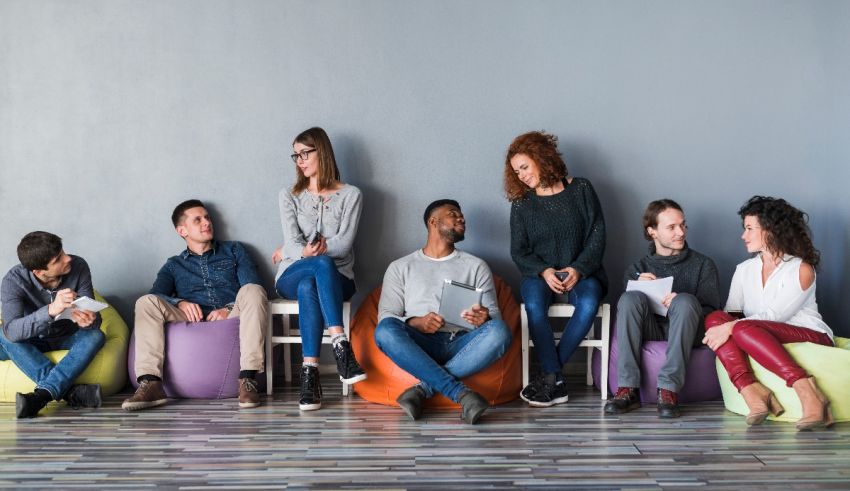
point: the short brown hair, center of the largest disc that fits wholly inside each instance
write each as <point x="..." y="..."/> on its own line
<point x="650" y="216"/>
<point x="327" y="172"/>
<point x="180" y="210"/>
<point x="37" y="249"/>
<point x="542" y="148"/>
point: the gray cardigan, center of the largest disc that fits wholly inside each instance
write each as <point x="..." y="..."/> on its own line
<point x="300" y="217"/>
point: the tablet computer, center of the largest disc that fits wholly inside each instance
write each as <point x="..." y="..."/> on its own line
<point x="456" y="298"/>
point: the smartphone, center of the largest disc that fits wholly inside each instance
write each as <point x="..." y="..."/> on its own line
<point x="315" y="238"/>
<point x="562" y="275"/>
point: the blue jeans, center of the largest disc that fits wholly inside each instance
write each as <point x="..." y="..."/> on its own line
<point x="440" y="360"/>
<point x="320" y="290"/>
<point x="28" y="355"/>
<point x="537" y="296"/>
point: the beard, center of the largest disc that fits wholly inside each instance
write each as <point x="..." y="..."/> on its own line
<point x="451" y="235"/>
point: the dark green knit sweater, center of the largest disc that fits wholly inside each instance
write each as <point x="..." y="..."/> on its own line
<point x="692" y="273"/>
<point x="563" y="230"/>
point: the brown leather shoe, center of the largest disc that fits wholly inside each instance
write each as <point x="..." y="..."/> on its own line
<point x="249" y="396"/>
<point x="626" y="399"/>
<point x="668" y="404"/>
<point x="149" y="394"/>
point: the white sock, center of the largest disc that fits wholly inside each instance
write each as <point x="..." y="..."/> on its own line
<point x="336" y="338"/>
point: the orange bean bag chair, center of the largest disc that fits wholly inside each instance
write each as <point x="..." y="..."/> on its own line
<point x="499" y="383"/>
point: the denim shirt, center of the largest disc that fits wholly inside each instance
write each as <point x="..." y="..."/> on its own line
<point x="25" y="303"/>
<point x="210" y="280"/>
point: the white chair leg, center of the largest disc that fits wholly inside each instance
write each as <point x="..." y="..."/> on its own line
<point x="269" y="356"/>
<point x="605" y="334"/>
<point x="346" y="319"/>
<point x="524" y="344"/>
<point x="287" y="351"/>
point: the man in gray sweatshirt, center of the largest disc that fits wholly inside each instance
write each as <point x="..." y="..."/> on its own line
<point x="419" y="340"/>
<point x="695" y="294"/>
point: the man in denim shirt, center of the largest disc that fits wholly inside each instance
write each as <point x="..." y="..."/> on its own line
<point x="33" y="294"/>
<point x="208" y="281"/>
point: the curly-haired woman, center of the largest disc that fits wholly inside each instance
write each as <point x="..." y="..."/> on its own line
<point x="557" y="242"/>
<point x="776" y="292"/>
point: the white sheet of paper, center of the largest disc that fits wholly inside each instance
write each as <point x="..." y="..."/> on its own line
<point x="82" y="303"/>
<point x="655" y="290"/>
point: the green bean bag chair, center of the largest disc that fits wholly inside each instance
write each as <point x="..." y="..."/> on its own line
<point x="108" y="368"/>
<point x="829" y="365"/>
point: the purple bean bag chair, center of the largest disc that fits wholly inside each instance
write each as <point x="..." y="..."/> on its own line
<point x="201" y="359"/>
<point x="701" y="382"/>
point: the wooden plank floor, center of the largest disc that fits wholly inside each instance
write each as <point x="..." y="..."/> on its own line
<point x="350" y="443"/>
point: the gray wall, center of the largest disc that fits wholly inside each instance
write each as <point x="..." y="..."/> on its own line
<point x="111" y="112"/>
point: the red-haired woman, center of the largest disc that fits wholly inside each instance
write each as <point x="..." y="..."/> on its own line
<point x="557" y="242"/>
<point x="776" y="292"/>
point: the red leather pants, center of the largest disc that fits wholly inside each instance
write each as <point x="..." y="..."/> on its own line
<point x="761" y="340"/>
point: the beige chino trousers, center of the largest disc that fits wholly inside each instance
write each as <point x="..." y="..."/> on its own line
<point x="152" y="313"/>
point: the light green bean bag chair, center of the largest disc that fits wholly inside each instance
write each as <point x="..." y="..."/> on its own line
<point x="108" y="368"/>
<point x="830" y="367"/>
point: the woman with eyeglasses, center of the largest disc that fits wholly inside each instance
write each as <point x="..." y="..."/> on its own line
<point x="320" y="215"/>
<point x="557" y="242"/>
<point x="775" y="291"/>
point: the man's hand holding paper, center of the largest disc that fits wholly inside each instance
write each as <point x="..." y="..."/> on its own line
<point x="659" y="292"/>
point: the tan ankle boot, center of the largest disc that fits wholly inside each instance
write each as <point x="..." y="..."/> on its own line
<point x="761" y="401"/>
<point x="816" y="410"/>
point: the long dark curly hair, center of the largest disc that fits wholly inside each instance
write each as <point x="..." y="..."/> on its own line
<point x="786" y="227"/>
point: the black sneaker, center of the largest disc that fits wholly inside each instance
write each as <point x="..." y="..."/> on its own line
<point x="28" y="405"/>
<point x="626" y="399"/>
<point x="411" y="401"/>
<point x="552" y="389"/>
<point x="311" y="389"/>
<point x="84" y="395"/>
<point x="531" y="389"/>
<point x="347" y="367"/>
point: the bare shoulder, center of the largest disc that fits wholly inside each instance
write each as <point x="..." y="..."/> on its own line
<point x="807" y="275"/>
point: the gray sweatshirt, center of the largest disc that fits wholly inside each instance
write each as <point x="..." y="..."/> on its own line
<point x="413" y="284"/>
<point x="300" y="216"/>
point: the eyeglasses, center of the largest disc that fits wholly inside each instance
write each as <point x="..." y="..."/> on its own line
<point x="303" y="154"/>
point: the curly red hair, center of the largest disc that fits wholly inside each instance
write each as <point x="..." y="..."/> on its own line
<point x="542" y="148"/>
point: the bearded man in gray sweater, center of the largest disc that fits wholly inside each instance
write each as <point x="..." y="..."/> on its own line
<point x="695" y="294"/>
<point x="418" y="339"/>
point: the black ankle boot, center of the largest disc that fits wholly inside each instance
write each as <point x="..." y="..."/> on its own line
<point x="411" y="401"/>
<point x="473" y="406"/>
<point x="84" y="395"/>
<point x="28" y="405"/>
